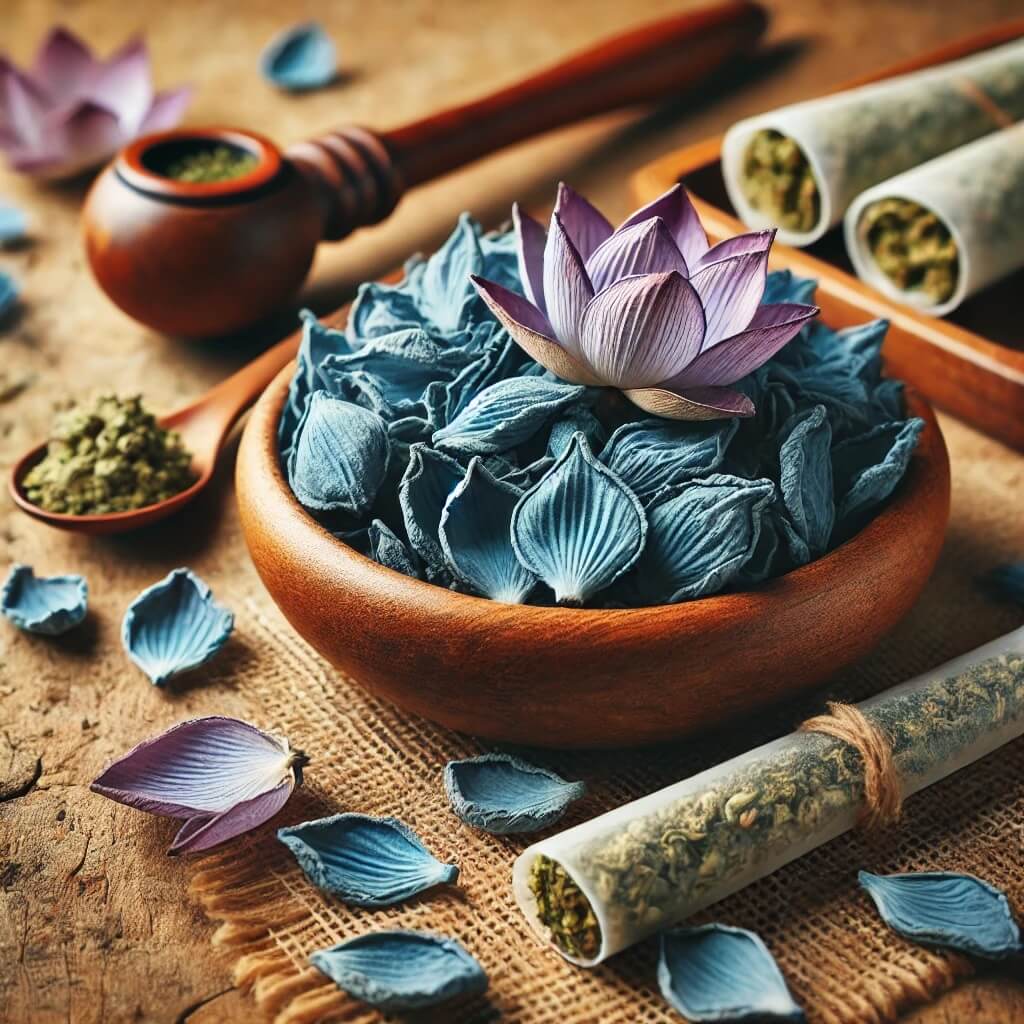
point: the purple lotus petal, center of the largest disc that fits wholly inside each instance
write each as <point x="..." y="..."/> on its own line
<point x="530" y="250"/>
<point x="88" y="135"/>
<point x="696" y="404"/>
<point x="731" y="291"/>
<point x="23" y="108"/>
<point x="204" y="831"/>
<point x="643" y="329"/>
<point x="532" y="332"/>
<point x="676" y="210"/>
<point x="585" y="225"/>
<point x="567" y="289"/>
<point x="202" y="766"/>
<point x="730" y="360"/>
<point x="751" y="241"/>
<point x="123" y="85"/>
<point x="644" y="248"/>
<point x="166" y="111"/>
<point x="64" y="66"/>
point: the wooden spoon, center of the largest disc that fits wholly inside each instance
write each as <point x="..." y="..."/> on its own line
<point x="204" y="425"/>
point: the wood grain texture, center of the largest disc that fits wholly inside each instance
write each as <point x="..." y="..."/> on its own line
<point x="566" y="677"/>
<point x="130" y="946"/>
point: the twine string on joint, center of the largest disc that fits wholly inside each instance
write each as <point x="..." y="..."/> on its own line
<point x="883" y="797"/>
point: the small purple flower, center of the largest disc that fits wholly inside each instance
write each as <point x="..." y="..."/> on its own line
<point x="221" y="775"/>
<point x="649" y="308"/>
<point x="73" y="111"/>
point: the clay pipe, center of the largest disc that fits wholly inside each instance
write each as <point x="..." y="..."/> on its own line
<point x="202" y="259"/>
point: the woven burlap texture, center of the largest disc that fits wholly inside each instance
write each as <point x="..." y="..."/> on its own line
<point x="842" y="963"/>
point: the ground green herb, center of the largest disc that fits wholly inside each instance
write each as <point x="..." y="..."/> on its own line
<point x="219" y="163"/>
<point x="110" y="456"/>
<point x="912" y="247"/>
<point x="647" y="874"/>
<point x="778" y="181"/>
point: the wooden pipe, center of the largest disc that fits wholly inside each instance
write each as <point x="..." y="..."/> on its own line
<point x="201" y="259"/>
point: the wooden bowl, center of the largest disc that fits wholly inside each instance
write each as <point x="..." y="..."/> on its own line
<point x="562" y="677"/>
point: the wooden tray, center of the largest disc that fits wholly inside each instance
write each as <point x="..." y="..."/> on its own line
<point x="970" y="363"/>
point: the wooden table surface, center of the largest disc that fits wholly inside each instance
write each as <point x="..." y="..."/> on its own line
<point x="95" y="925"/>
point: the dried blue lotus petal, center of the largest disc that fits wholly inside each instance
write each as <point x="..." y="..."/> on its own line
<point x="447" y="296"/>
<point x="497" y="357"/>
<point x="381" y="309"/>
<point x="388" y="549"/>
<point x="365" y="861"/>
<point x="475" y="538"/>
<point x="650" y="455"/>
<point x="340" y="456"/>
<point x="805" y="466"/>
<point x="430" y="477"/>
<point x="506" y="414"/>
<point x="576" y="418"/>
<point x="299" y="58"/>
<point x="8" y="294"/>
<point x="402" y="970"/>
<point x="941" y="908"/>
<point x="717" y="973"/>
<point x="580" y="528"/>
<point x="13" y="225"/>
<point x="700" y="536"/>
<point x="868" y="467"/>
<point x="785" y="286"/>
<point x="48" y="605"/>
<point x="531" y="474"/>
<point x="502" y="794"/>
<point x="174" y="626"/>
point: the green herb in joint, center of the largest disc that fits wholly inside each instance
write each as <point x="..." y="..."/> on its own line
<point x="564" y="910"/>
<point x="217" y="163"/>
<point x="110" y="456"/>
<point x="912" y="247"/>
<point x="778" y="180"/>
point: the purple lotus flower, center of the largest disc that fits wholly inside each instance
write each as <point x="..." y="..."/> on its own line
<point x="650" y="308"/>
<point x="72" y="111"/>
<point x="221" y="775"/>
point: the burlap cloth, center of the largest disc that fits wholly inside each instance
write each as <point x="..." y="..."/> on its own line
<point x="841" y="961"/>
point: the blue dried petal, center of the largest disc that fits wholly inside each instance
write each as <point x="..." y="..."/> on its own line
<point x="580" y="528"/>
<point x="650" y="455"/>
<point x="174" y="626"/>
<point x="389" y="550"/>
<point x="717" y="973"/>
<point x="447" y="296"/>
<point x="429" y="478"/>
<point x="340" y="456"/>
<point x="475" y="538"/>
<point x="576" y="418"/>
<point x="8" y="294"/>
<point x="505" y="795"/>
<point x="13" y="225"/>
<point x="506" y="414"/>
<point x="805" y="467"/>
<point x="700" y="536"/>
<point x="403" y="362"/>
<point x="768" y="558"/>
<point x="945" y="909"/>
<point x="500" y="251"/>
<point x="300" y="58"/>
<point x="382" y="309"/>
<point x="785" y="286"/>
<point x="47" y="605"/>
<point x="868" y="467"/>
<point x="498" y="357"/>
<point x="531" y="474"/>
<point x="402" y="970"/>
<point x="1008" y="581"/>
<point x="888" y="399"/>
<point x="365" y="861"/>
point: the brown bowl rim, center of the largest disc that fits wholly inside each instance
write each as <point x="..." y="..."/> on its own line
<point x="930" y="458"/>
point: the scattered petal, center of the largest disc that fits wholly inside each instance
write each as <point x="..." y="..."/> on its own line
<point x="429" y="478"/>
<point x="700" y="536"/>
<point x="941" y="908"/>
<point x="222" y="775"/>
<point x="365" y="861"/>
<point x="805" y="465"/>
<point x="651" y="455"/>
<point x="389" y="550"/>
<point x="580" y="527"/>
<point x="174" y="626"/>
<point x="340" y="456"/>
<point x="576" y="418"/>
<point x="502" y="794"/>
<point x="299" y="58"/>
<point x="402" y="970"/>
<point x="475" y="536"/>
<point x="506" y="414"/>
<point x="717" y="973"/>
<point x="446" y="292"/>
<point x="48" y="605"/>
